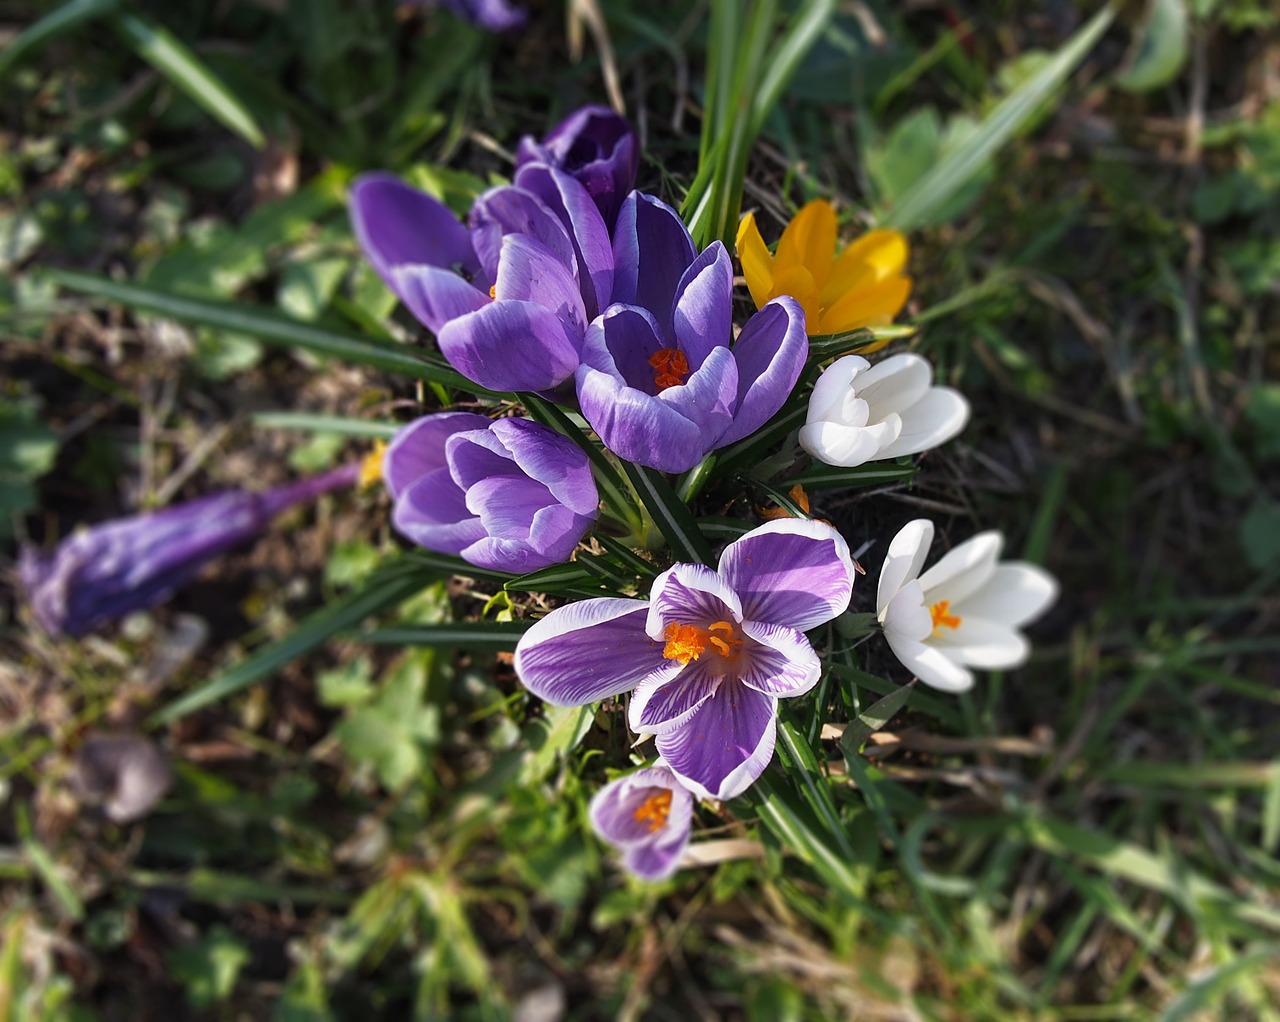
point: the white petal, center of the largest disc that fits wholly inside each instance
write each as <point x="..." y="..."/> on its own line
<point x="1015" y="594"/>
<point x="894" y="385"/>
<point x="905" y="558"/>
<point x="835" y="383"/>
<point x="845" y="446"/>
<point x="964" y="569"/>
<point x="906" y="615"/>
<point x="931" y="665"/>
<point x="933" y="420"/>
<point x="980" y="642"/>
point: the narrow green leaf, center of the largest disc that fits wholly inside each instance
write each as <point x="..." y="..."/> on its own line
<point x="60" y="20"/>
<point x="551" y="579"/>
<point x="750" y="451"/>
<point x="827" y="346"/>
<point x="269" y="326"/>
<point x="450" y="565"/>
<point x="233" y="889"/>
<point x="799" y="833"/>
<point x="872" y="719"/>
<point x="308" y="422"/>
<point x="1209" y="988"/>
<point x="462" y="635"/>
<point x="1162" y="49"/>
<point x="669" y="514"/>
<point x="828" y="477"/>
<point x="943" y="711"/>
<point x="170" y="56"/>
<point x="935" y="188"/>
<point x="627" y="557"/>
<point x="389" y="585"/>
<point x="1271" y="812"/>
<point x="804" y="763"/>
<point x="45" y="867"/>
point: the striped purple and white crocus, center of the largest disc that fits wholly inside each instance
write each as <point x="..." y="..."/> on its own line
<point x="709" y="654"/>
<point x="646" y="816"/>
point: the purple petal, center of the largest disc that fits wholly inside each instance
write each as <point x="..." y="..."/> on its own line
<point x="590" y="650"/>
<point x="552" y="459"/>
<point x="659" y="706"/>
<point x="655" y="861"/>
<point x="477" y="455"/>
<point x="771" y="352"/>
<point x="510" y="210"/>
<point x="636" y="426"/>
<point x="790" y="572"/>
<point x="620" y="342"/>
<point x="435" y="296"/>
<point x="511" y="346"/>
<point x="419" y="447"/>
<point x="780" y="662"/>
<point x="571" y="202"/>
<point x="707" y="397"/>
<point x="598" y="148"/>
<point x="703" y="315"/>
<point x="506" y="505"/>
<point x="397" y="225"/>
<point x="527" y="271"/>
<point x="613" y="808"/>
<point x="553" y="534"/>
<point x="725" y="745"/>
<point x="651" y="250"/>
<point x="690" y="594"/>
<point x="490" y="15"/>
<point x="433" y="513"/>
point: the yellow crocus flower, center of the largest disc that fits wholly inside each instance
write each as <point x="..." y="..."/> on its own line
<point x="864" y="286"/>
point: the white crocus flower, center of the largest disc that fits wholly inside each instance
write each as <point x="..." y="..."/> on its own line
<point x="963" y="612"/>
<point x="859" y="412"/>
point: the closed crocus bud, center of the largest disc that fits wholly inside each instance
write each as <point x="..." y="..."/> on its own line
<point x="646" y="817"/>
<point x="490" y="15"/>
<point x="107" y="571"/>
<point x="859" y="412"/>
<point x="509" y="495"/>
<point x="596" y="146"/>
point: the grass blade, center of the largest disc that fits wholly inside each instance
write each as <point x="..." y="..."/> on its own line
<point x="669" y="514"/>
<point x="310" y="422"/>
<point x="57" y="22"/>
<point x="872" y="719"/>
<point x="502" y="635"/>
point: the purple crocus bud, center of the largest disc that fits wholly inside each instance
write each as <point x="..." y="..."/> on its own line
<point x="491" y="15"/>
<point x="109" y="570"/>
<point x="709" y="654"/>
<point x="509" y="495"/>
<point x="509" y="296"/>
<point x="596" y="146"/>
<point x="646" y="816"/>
<point x="659" y="381"/>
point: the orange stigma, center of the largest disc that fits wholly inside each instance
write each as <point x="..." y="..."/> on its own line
<point x="941" y="617"/>
<point x="493" y="291"/>
<point x="670" y="367"/>
<point x="654" y="810"/>
<point x="689" y="642"/>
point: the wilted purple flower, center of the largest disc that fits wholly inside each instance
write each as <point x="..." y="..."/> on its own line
<point x="596" y="146"/>
<point x="646" y="816"/>
<point x="510" y="495"/>
<point x="125" y="772"/>
<point x="508" y="297"/>
<point x="659" y="381"/>
<point x="709" y="654"/>
<point x="109" y="570"/>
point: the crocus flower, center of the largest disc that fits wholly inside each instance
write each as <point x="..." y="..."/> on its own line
<point x="659" y="381"/>
<point x="963" y="612"/>
<point x="509" y="296"/>
<point x="112" y="569"/>
<point x="510" y="495"/>
<point x="646" y="816"/>
<point x="709" y="654"/>
<point x="491" y="15"/>
<point x="859" y="412"/>
<point x="864" y="286"/>
<point x="596" y="146"/>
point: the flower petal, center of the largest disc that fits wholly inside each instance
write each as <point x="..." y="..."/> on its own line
<point x="435" y="295"/>
<point x="834" y="443"/>
<point x="433" y="513"/>
<point x="905" y="557"/>
<point x="613" y="807"/>
<point x="511" y="346"/>
<point x="1015" y="593"/>
<point x="552" y="459"/>
<point x="770" y="352"/>
<point x="528" y="272"/>
<point x="790" y="572"/>
<point x="978" y="642"/>
<point x="874" y="305"/>
<point x="708" y="396"/>
<point x="725" y="745"/>
<point x="419" y="447"/>
<point x="703" y="313"/>
<point x="510" y="210"/>
<point x="877" y="256"/>
<point x="651" y="251"/>
<point x="655" y="861"/>
<point x="964" y="569"/>
<point x="398" y="225"/>
<point x="906" y="616"/>
<point x="589" y="650"/>
<point x="690" y="594"/>
<point x="781" y="663"/>
<point x="931" y="665"/>
<point x="933" y="420"/>
<point x="833" y="396"/>
<point x="757" y="263"/>
<point x="809" y="241"/>
<point x="895" y="384"/>
<point x="658" y="706"/>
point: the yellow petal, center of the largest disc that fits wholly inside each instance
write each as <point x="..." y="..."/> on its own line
<point x="797" y="282"/>
<point x="873" y="305"/>
<point x="757" y="263"/>
<point x="876" y="256"/>
<point x="810" y="240"/>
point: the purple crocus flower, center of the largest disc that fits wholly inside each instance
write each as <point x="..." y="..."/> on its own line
<point x="509" y="495"/>
<point x="109" y="570"/>
<point x="709" y="654"/>
<point x="646" y="816"/>
<point x="659" y="382"/>
<point x="509" y="296"/>
<point x="596" y="146"/>
<point x="491" y="15"/>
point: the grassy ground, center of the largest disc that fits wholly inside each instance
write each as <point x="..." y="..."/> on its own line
<point x="371" y="832"/>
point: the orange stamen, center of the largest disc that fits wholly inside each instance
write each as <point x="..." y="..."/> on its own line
<point x="689" y="642"/>
<point x="670" y="367"/>
<point x="654" y="810"/>
<point x="493" y="291"/>
<point x="941" y="617"/>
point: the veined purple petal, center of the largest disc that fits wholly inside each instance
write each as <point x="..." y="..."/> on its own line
<point x="506" y="505"/>
<point x="554" y="460"/>
<point x="590" y="650"/>
<point x="655" y="861"/>
<point x="636" y="426"/>
<point x="620" y="342"/>
<point x="790" y="572"/>
<point x="613" y="808"/>
<point x="659" y="706"/>
<point x="651" y="250"/>
<point x="510" y="210"/>
<point x="690" y="594"/>
<point x="419" y="447"/>
<point x="518" y="556"/>
<point x="703" y="311"/>
<point x="433" y="513"/>
<point x="571" y="202"/>
<point x="511" y="346"/>
<point x="397" y="225"/>
<point x="708" y="396"/>
<point x="435" y="296"/>
<point x="780" y="662"/>
<point x="725" y="745"/>
<point x="771" y="352"/>
<point x="527" y="271"/>
<point x="478" y="455"/>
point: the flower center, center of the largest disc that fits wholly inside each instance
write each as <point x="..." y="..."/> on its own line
<point x="654" y="810"/>
<point x="942" y="618"/>
<point x="493" y="292"/>
<point x="670" y="367"/>
<point x="689" y="642"/>
<point x="371" y="465"/>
